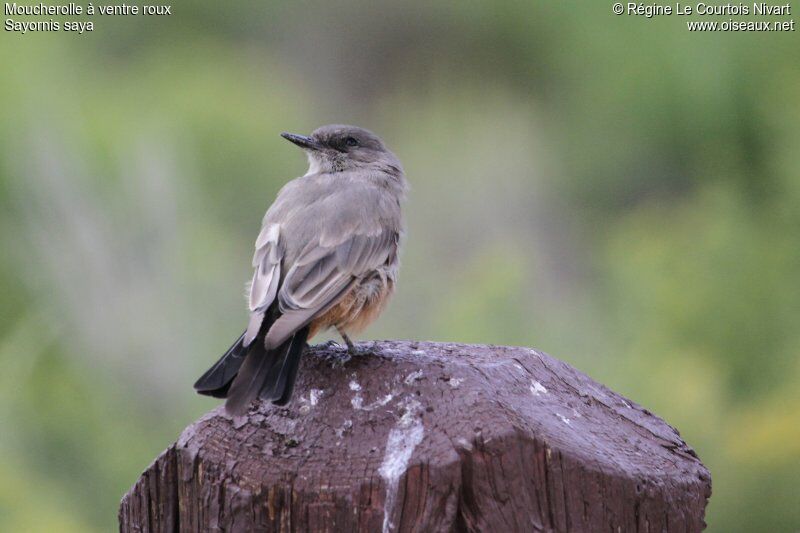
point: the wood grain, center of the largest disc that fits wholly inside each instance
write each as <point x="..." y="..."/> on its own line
<point x="427" y="437"/>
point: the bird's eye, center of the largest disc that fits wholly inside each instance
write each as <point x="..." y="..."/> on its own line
<point x="351" y="141"/>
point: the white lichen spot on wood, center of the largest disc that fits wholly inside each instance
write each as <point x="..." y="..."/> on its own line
<point x="564" y="419"/>
<point x="313" y="399"/>
<point x="380" y="402"/>
<point x="455" y="382"/>
<point x="412" y="377"/>
<point x="314" y="395"/>
<point x="403" y="438"/>
<point x="417" y="352"/>
<point x="342" y="430"/>
<point x="537" y="388"/>
<point x="357" y="401"/>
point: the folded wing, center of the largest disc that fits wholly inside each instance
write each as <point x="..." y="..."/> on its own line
<point x="266" y="278"/>
<point x="322" y="273"/>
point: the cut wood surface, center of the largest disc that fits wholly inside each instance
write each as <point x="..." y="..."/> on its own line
<point x="420" y="436"/>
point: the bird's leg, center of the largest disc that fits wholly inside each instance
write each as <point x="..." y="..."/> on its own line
<point x="350" y="346"/>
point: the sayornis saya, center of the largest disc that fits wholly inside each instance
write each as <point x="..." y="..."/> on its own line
<point x="326" y="257"/>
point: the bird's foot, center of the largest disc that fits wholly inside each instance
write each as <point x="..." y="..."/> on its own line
<point x="334" y="353"/>
<point x="354" y="350"/>
<point x="328" y="344"/>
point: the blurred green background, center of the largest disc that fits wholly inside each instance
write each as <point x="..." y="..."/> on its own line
<point x="616" y="191"/>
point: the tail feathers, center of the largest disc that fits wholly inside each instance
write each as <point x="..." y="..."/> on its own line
<point x="268" y="374"/>
<point x="217" y="379"/>
<point x="250" y="378"/>
<point x="279" y="388"/>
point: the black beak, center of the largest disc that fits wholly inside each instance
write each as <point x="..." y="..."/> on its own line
<point x="302" y="141"/>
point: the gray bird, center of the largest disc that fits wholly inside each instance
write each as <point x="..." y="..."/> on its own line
<point x="326" y="257"/>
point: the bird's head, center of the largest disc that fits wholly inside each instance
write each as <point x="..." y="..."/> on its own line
<point x="337" y="148"/>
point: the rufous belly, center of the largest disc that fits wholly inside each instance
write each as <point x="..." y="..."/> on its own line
<point x="357" y="308"/>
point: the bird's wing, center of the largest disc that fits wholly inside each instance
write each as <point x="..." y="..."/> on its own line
<point x="266" y="278"/>
<point x="323" y="271"/>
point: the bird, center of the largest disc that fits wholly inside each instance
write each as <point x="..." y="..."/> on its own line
<point x="326" y="257"/>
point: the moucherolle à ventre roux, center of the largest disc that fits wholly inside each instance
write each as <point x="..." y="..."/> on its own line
<point x="70" y="9"/>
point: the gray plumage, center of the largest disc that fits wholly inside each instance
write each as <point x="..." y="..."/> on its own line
<point x="330" y="237"/>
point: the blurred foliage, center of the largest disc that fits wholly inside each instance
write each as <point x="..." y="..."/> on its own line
<point x="618" y="192"/>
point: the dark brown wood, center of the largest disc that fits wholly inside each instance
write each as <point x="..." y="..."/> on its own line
<point x="428" y="437"/>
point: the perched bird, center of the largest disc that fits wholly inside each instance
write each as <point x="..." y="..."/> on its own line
<point x="326" y="257"/>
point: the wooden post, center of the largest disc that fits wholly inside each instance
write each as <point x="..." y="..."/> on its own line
<point x="428" y="437"/>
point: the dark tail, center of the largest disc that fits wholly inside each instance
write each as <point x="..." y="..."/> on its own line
<point x="279" y="388"/>
<point x="217" y="379"/>
<point x="269" y="375"/>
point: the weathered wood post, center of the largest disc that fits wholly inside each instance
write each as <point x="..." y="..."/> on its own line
<point x="428" y="437"/>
